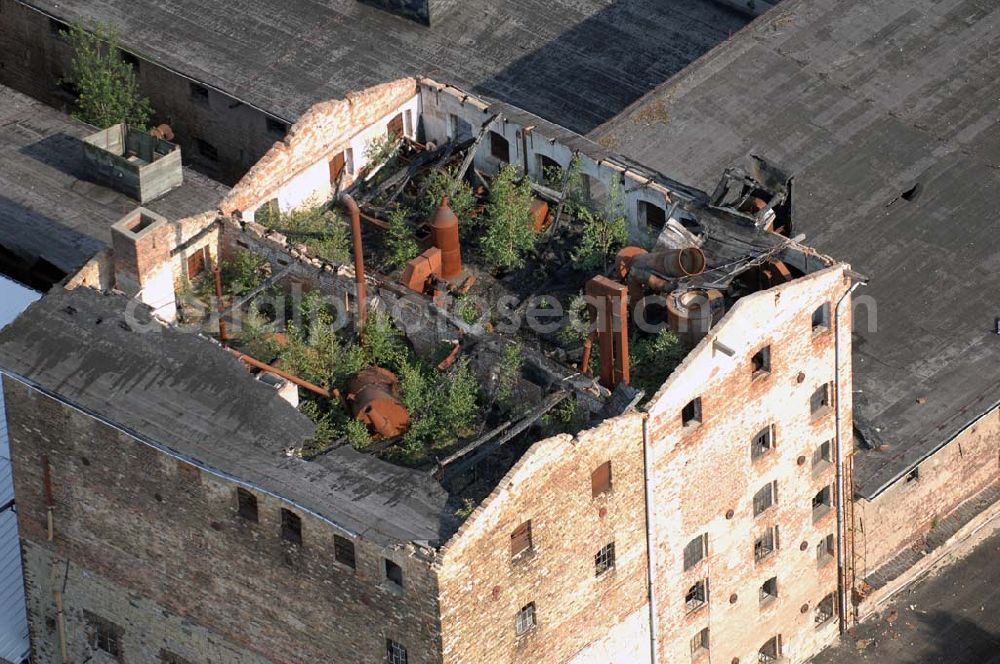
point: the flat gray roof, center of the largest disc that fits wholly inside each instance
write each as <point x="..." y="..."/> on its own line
<point x="862" y="101"/>
<point x="49" y="206"/>
<point x="183" y="393"/>
<point x="575" y="62"/>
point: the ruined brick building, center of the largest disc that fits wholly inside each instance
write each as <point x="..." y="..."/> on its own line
<point x="766" y="491"/>
<point x="167" y="505"/>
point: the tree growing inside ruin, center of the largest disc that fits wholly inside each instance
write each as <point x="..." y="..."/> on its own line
<point x="108" y="89"/>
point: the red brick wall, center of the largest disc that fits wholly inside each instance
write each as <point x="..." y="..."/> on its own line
<point x="704" y="478"/>
<point x="482" y="588"/>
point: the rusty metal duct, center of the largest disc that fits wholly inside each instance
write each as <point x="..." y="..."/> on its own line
<point x="610" y="313"/>
<point x="653" y="270"/>
<point x="444" y="236"/>
<point x="373" y="398"/>
<point x="351" y="207"/>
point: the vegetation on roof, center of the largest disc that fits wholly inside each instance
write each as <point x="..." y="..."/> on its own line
<point x="108" y="92"/>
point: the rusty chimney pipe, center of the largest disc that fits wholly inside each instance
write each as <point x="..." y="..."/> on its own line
<point x="351" y="207"/>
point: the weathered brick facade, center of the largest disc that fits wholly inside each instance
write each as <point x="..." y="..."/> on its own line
<point x="163" y="553"/>
<point x="704" y="478"/>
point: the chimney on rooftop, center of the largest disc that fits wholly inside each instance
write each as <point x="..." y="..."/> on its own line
<point x="141" y="243"/>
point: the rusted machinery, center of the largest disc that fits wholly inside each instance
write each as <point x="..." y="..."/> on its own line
<point x="373" y="397"/>
<point x="692" y="313"/>
<point x="444" y="236"/>
<point x="610" y="313"/>
<point x="420" y="270"/>
<point x="653" y="271"/>
<point x="539" y="214"/>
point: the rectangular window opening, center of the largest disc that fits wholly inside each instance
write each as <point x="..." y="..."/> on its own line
<point x="696" y="596"/>
<point x="524" y="621"/>
<point x="760" y="363"/>
<point x="343" y="551"/>
<point x="196" y="262"/>
<point x="765" y="498"/>
<point x="207" y="150"/>
<point x="499" y="147"/>
<point x="822" y="502"/>
<point x="825" y="610"/>
<point x="338" y="163"/>
<point x="129" y="59"/>
<point x="393" y="572"/>
<point x="604" y="561"/>
<point x="246" y="505"/>
<point x="824" y="550"/>
<point x="58" y="29"/>
<point x="395" y="127"/>
<point x="821" y="318"/>
<point x="695" y="551"/>
<point x="199" y="93"/>
<point x="520" y="540"/>
<point x="291" y="527"/>
<point x="913" y="475"/>
<point x="652" y="215"/>
<point x="691" y="413"/>
<point x="600" y="480"/>
<point x="408" y="122"/>
<point x="770" y="651"/>
<point x="769" y="590"/>
<point x="820" y="401"/>
<point x="104" y="635"/>
<point x="699" y="644"/>
<point x="762" y="443"/>
<point x="395" y="653"/>
<point x="821" y="455"/>
<point x="766" y="544"/>
<point x="349" y="160"/>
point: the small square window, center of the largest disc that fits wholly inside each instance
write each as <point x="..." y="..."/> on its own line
<point x="291" y="527"/>
<point x="770" y="651"/>
<point x="821" y="503"/>
<point x="520" y="539"/>
<point x="769" y="590"/>
<point x="913" y="475"/>
<point x="395" y="653"/>
<point x="58" y="29"/>
<point x="524" y="621"/>
<point x="695" y="551"/>
<point x="199" y="93"/>
<point x="824" y="550"/>
<point x="343" y="551"/>
<point x="821" y="455"/>
<point x="129" y="59"/>
<point x="246" y="505"/>
<point x="766" y="544"/>
<point x="600" y="480"/>
<point x="207" y="150"/>
<point x="652" y="215"/>
<point x="696" y="596"/>
<point x="760" y="363"/>
<point x="699" y="644"/>
<point x="762" y="443"/>
<point x="819" y="403"/>
<point x="821" y="318"/>
<point x="765" y="498"/>
<point x="825" y="610"/>
<point x="604" y="560"/>
<point x="691" y="413"/>
<point x="499" y="147"/>
<point x="103" y="635"/>
<point x="393" y="573"/>
<point x="276" y="127"/>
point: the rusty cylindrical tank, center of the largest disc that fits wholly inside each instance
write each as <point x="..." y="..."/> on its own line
<point x="692" y="313"/>
<point x="444" y="236"/>
<point x="645" y="269"/>
<point x="373" y="397"/>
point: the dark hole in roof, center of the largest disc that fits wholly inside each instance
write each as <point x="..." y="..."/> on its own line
<point x="911" y="193"/>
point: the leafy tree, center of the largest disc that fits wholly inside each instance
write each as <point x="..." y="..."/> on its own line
<point x="508" y="372"/>
<point x="510" y="233"/>
<point x="323" y="231"/>
<point x="401" y="239"/>
<point x="461" y="198"/>
<point x="601" y="237"/>
<point x="382" y="343"/>
<point x="109" y="91"/>
<point x="653" y="358"/>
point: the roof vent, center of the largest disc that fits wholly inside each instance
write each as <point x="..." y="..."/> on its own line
<point x="415" y="10"/>
<point x="133" y="162"/>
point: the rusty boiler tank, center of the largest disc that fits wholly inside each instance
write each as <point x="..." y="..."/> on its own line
<point x="692" y="313"/>
<point x="373" y="396"/>
<point x="444" y="236"/>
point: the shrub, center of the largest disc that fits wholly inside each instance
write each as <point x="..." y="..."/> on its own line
<point x="381" y="150"/>
<point x="510" y="233"/>
<point x="508" y="373"/>
<point x="466" y="309"/>
<point x="240" y="275"/>
<point x="601" y="237"/>
<point x="324" y="232"/>
<point x="109" y="92"/>
<point x="401" y="240"/>
<point x="653" y="358"/>
<point x="461" y="198"/>
<point x="382" y="343"/>
<point x="459" y="408"/>
<point x="357" y="433"/>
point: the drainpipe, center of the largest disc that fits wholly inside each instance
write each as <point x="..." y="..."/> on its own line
<point x="647" y="463"/>
<point x="351" y="207"/>
<point x="841" y="498"/>
<point x="223" y="336"/>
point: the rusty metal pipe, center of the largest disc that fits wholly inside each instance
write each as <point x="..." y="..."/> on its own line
<point x="263" y="366"/>
<point x="348" y="203"/>
<point x="223" y="335"/>
<point x="588" y="346"/>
